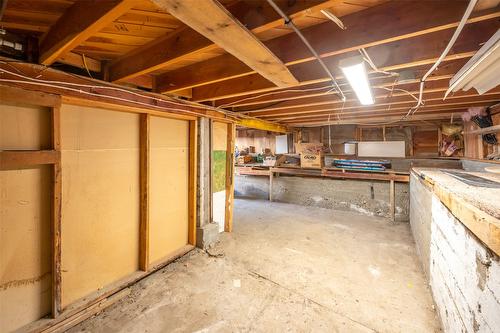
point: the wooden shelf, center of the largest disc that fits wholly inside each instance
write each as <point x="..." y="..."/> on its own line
<point x="486" y="130"/>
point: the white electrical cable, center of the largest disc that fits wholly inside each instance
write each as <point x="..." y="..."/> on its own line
<point x="452" y="41"/>
<point x="98" y="95"/>
<point x="60" y="84"/>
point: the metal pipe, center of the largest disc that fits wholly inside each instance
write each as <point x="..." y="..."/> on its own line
<point x="289" y="23"/>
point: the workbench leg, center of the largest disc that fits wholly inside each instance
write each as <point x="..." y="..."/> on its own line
<point x="392" y="201"/>
<point x="271" y="176"/>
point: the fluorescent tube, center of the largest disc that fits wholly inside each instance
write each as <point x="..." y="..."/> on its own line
<point x="355" y="72"/>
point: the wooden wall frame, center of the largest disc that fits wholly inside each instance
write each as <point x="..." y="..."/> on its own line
<point x="144" y="171"/>
<point x="193" y="180"/>
<point x="11" y="160"/>
<point x="20" y="159"/>
<point x="231" y="138"/>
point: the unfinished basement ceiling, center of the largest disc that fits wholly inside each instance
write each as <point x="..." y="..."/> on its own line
<point x="136" y="42"/>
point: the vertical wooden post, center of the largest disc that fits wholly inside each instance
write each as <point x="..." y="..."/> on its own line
<point x="56" y="211"/>
<point x="144" y="156"/>
<point x="193" y="178"/>
<point x="231" y="136"/>
<point x="392" y="201"/>
<point x="271" y="176"/>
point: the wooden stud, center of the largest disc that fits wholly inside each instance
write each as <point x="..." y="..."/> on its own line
<point x="230" y="160"/>
<point x="144" y="190"/>
<point x="193" y="176"/>
<point x="271" y="176"/>
<point x="392" y="199"/>
<point x="56" y="212"/>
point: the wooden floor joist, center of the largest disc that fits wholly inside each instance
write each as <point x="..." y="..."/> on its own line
<point x="216" y="23"/>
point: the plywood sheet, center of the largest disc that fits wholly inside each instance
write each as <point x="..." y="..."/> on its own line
<point x="100" y="208"/>
<point x="381" y="149"/>
<point x="169" y="176"/>
<point x="219" y="136"/>
<point x="24" y="127"/>
<point x="25" y="246"/>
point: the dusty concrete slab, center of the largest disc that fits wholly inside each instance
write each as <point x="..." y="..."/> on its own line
<point x="285" y="268"/>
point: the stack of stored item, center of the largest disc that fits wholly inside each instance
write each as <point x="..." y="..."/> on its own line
<point x="361" y="165"/>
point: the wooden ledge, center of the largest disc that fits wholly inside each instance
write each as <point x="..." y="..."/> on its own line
<point x="467" y="207"/>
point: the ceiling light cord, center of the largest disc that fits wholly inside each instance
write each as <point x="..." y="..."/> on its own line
<point x="452" y="41"/>
<point x="289" y="22"/>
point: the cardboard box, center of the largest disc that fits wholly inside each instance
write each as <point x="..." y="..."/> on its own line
<point x="244" y="159"/>
<point x="311" y="161"/>
<point x="310" y="148"/>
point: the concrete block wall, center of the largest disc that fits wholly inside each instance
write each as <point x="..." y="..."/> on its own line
<point x="464" y="274"/>
<point x="362" y="196"/>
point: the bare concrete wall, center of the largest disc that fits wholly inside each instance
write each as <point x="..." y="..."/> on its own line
<point x="463" y="273"/>
<point x="367" y="197"/>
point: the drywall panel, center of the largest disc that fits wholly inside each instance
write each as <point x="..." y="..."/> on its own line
<point x="282" y="144"/>
<point x="100" y="207"/>
<point x="381" y="149"/>
<point x="24" y="127"/>
<point x="219" y="136"/>
<point x="25" y="246"/>
<point x="169" y="177"/>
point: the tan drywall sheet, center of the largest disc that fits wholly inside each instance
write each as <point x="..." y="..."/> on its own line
<point x="169" y="175"/>
<point x="25" y="246"/>
<point x="100" y="205"/>
<point x="219" y="136"/>
<point x="24" y="127"/>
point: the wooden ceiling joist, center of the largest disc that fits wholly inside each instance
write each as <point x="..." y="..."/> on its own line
<point x="393" y="56"/>
<point x="257" y="101"/>
<point x="212" y="20"/>
<point x="187" y="43"/>
<point x="79" y="22"/>
<point x="402" y="106"/>
<point x="431" y="99"/>
<point x="328" y="40"/>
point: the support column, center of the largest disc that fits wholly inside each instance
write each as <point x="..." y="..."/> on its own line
<point x="207" y="233"/>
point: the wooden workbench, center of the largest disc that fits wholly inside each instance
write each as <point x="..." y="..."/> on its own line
<point x="389" y="175"/>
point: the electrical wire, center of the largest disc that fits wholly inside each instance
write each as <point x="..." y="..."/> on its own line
<point x="290" y="23"/>
<point x="452" y="41"/>
<point x="58" y="84"/>
<point x="85" y="65"/>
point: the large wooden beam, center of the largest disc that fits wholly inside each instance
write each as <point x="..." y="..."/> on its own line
<point x="401" y="54"/>
<point x="427" y="17"/>
<point x="78" y="23"/>
<point x="213" y="21"/>
<point x="187" y="43"/>
<point x="262" y="125"/>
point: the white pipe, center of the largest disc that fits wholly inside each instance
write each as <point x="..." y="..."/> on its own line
<point x="289" y="22"/>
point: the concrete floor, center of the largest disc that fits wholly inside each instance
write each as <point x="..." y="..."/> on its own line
<point x="285" y="268"/>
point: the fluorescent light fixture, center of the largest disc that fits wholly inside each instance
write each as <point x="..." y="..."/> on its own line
<point x="355" y="72"/>
<point x="482" y="71"/>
